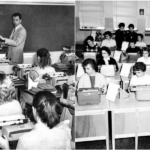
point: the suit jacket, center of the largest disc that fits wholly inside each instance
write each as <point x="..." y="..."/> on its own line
<point x="16" y="43"/>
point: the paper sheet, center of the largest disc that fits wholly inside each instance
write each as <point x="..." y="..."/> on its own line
<point x="112" y="91"/>
<point x="93" y="33"/>
<point x="31" y="83"/>
<point x="124" y="46"/>
<point x="125" y="71"/>
<point x="117" y="55"/>
<point x="80" y="71"/>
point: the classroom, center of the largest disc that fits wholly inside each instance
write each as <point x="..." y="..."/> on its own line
<point x="37" y="59"/>
<point x="113" y="75"/>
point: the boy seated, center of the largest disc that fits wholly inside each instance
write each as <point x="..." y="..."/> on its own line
<point x="132" y="48"/>
<point x="140" y="77"/>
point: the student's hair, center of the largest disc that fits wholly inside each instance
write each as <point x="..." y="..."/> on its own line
<point x="145" y="49"/>
<point x="17" y="14"/>
<point x="104" y="48"/>
<point x="47" y="108"/>
<point x="141" y="35"/>
<point x="45" y="59"/>
<point x="132" y="41"/>
<point x="7" y="89"/>
<point x="88" y="38"/>
<point x="131" y="26"/>
<point x="121" y="25"/>
<point x="139" y="66"/>
<point x="92" y="62"/>
<point x="108" y="33"/>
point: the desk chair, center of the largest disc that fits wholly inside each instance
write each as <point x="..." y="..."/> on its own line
<point x="91" y="55"/>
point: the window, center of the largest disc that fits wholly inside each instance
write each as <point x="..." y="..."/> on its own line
<point x="147" y="16"/>
<point x="125" y="11"/>
<point x="91" y="14"/>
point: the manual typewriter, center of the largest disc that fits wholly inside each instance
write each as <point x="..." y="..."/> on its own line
<point x="142" y="92"/>
<point x="13" y="127"/>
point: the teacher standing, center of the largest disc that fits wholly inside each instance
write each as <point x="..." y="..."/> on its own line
<point x="16" y="40"/>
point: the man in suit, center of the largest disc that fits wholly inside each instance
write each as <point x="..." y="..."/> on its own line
<point x="16" y="40"/>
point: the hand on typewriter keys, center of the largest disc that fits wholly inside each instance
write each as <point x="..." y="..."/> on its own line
<point x="4" y="142"/>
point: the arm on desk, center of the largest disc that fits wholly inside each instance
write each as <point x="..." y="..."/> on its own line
<point x="68" y="103"/>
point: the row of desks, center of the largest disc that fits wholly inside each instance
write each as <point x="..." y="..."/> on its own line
<point x="130" y="118"/>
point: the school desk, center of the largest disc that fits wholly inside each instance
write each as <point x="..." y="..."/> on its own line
<point x="92" y="122"/>
<point x="130" y="118"/>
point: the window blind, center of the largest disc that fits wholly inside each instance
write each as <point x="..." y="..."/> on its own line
<point x="91" y="14"/>
<point x="125" y="11"/>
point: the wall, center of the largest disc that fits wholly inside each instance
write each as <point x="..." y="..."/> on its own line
<point x="108" y="12"/>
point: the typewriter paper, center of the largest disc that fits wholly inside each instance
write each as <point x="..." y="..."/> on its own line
<point x="117" y="55"/>
<point x="112" y="91"/>
<point x="125" y="71"/>
<point x="124" y="46"/>
<point x="80" y="71"/>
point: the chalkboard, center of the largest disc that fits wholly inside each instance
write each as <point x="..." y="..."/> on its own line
<point x="47" y="26"/>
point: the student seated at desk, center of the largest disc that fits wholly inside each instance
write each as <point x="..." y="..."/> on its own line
<point x="7" y="97"/>
<point x="140" y="77"/>
<point x="106" y="59"/>
<point x="108" y="42"/>
<point x="92" y="78"/>
<point x="90" y="125"/>
<point x="44" y="67"/>
<point x="48" y="132"/>
<point x="140" y="42"/>
<point x="145" y="59"/>
<point x="132" y="48"/>
<point x="44" y="62"/>
<point x="89" y="45"/>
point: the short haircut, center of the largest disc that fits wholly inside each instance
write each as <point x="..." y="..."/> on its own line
<point x="45" y="59"/>
<point x="7" y="89"/>
<point x="47" y="108"/>
<point x="145" y="49"/>
<point x="92" y="62"/>
<point x="108" y="33"/>
<point x="131" y="26"/>
<point x="141" y="35"/>
<point x="88" y="38"/>
<point x="104" y="48"/>
<point x="139" y="66"/>
<point x="121" y="25"/>
<point x="132" y="41"/>
<point x="17" y="14"/>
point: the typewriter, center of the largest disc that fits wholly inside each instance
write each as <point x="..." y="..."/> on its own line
<point x="13" y="127"/>
<point x="23" y="70"/>
<point x="142" y="92"/>
<point x="59" y="78"/>
<point x="89" y="96"/>
<point x="24" y="65"/>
